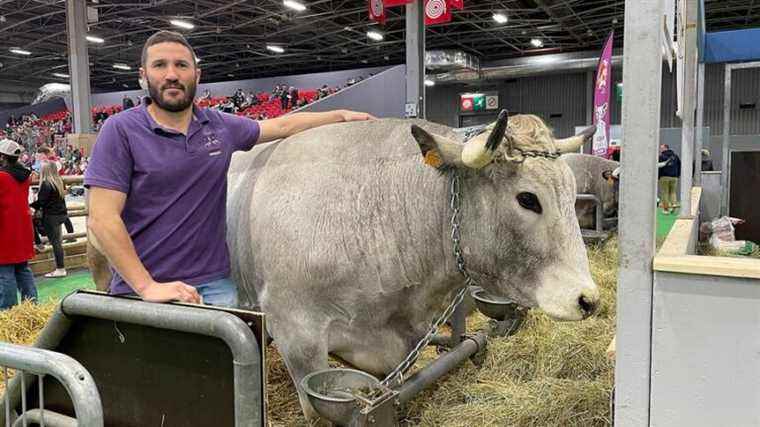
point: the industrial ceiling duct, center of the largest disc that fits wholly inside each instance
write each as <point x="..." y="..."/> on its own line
<point x="529" y="67"/>
<point x="450" y="60"/>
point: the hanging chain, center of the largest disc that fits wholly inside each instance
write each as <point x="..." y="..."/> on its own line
<point x="456" y="202"/>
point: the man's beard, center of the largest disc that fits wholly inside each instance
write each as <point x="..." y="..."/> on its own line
<point x="177" y="105"/>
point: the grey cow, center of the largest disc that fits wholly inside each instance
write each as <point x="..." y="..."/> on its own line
<point x="341" y="234"/>
<point x="590" y="178"/>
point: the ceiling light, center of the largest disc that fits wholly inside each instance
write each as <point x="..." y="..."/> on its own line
<point x="275" y="48"/>
<point x="197" y="60"/>
<point x="120" y="66"/>
<point x="230" y="75"/>
<point x="292" y="4"/>
<point x="95" y="39"/>
<point x="500" y="18"/>
<point x="429" y="83"/>
<point x="19" y="51"/>
<point x="375" y="35"/>
<point x="61" y="75"/>
<point x="182" y="24"/>
<point x="536" y="42"/>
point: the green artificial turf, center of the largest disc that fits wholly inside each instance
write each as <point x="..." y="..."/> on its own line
<point x="55" y="289"/>
<point x="665" y="223"/>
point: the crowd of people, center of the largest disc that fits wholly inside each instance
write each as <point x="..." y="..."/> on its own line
<point x="22" y="222"/>
<point x="266" y="105"/>
<point x="44" y="139"/>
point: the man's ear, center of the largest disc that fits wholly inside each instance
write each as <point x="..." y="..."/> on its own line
<point x="438" y="152"/>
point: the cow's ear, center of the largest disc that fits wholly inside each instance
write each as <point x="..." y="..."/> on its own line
<point x="437" y="151"/>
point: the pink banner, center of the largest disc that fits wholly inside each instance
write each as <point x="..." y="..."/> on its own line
<point x="602" y="92"/>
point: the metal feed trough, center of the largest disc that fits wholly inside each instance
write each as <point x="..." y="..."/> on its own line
<point x="150" y="364"/>
<point x="598" y="234"/>
<point x="348" y="397"/>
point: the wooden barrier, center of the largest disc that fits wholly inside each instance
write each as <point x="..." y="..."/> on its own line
<point x="75" y="253"/>
<point x="67" y="179"/>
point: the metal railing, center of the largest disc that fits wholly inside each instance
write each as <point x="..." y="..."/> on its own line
<point x="598" y="210"/>
<point x="31" y="362"/>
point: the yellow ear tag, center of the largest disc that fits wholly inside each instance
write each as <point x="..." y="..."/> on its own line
<point x="432" y="158"/>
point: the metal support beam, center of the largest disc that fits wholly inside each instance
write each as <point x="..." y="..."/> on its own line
<point x="589" y="100"/>
<point x="689" y="46"/>
<point x="79" y="67"/>
<point x="725" y="146"/>
<point x="699" y="141"/>
<point x="642" y="74"/>
<point x="415" y="58"/>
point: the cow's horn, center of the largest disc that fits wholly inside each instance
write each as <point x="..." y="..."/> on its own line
<point x="574" y="143"/>
<point x="479" y="152"/>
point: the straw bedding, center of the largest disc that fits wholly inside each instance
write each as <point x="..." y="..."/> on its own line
<point x="547" y="374"/>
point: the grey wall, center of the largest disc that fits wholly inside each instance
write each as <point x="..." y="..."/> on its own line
<point x="301" y="81"/>
<point x="705" y="351"/>
<point x="710" y="203"/>
<point x="672" y="137"/>
<point x="544" y="96"/>
<point x="382" y="95"/>
<point x="566" y="93"/>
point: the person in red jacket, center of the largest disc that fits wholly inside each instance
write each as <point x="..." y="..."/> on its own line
<point x="15" y="228"/>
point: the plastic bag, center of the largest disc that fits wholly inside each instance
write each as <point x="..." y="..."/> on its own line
<point x="723" y="238"/>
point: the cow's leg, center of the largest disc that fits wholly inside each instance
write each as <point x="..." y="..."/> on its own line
<point x="303" y="353"/>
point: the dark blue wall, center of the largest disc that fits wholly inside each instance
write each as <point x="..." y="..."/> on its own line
<point x="39" y="109"/>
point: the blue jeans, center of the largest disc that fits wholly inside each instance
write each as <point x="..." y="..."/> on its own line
<point x="222" y="292"/>
<point x="13" y="278"/>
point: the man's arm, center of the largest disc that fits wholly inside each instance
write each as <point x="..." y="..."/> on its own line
<point x="104" y="220"/>
<point x="285" y="126"/>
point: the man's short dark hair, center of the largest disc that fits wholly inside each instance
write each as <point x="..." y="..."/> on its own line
<point x="667" y="147"/>
<point x="166" y="37"/>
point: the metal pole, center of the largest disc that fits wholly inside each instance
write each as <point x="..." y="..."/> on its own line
<point x="441" y="366"/>
<point x="589" y="98"/>
<point x="689" y="46"/>
<point x="415" y="57"/>
<point x="642" y="74"/>
<point x="77" y="381"/>
<point x="725" y="146"/>
<point x="79" y="67"/>
<point x="699" y="141"/>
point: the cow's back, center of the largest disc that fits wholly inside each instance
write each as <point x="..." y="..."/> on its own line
<point x="332" y="203"/>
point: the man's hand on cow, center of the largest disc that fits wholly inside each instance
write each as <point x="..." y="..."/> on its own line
<point x="171" y="291"/>
<point x="354" y="116"/>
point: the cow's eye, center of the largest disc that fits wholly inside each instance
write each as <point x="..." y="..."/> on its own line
<point x="529" y="201"/>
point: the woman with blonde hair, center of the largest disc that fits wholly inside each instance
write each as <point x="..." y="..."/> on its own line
<point x="51" y="203"/>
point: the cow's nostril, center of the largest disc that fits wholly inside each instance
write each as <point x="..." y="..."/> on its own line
<point x="588" y="306"/>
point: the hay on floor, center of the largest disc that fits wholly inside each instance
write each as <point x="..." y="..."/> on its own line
<point x="21" y="325"/>
<point x="548" y="374"/>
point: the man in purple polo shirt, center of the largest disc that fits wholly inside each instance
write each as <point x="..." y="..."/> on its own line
<point x="158" y="181"/>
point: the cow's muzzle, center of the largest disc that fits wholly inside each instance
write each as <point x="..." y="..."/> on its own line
<point x="588" y="305"/>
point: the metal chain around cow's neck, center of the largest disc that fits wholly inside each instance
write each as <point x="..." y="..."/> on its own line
<point x="456" y="204"/>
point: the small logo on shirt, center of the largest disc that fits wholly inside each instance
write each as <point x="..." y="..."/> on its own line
<point x="210" y="141"/>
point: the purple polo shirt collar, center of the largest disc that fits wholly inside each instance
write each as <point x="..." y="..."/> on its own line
<point x="199" y="118"/>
